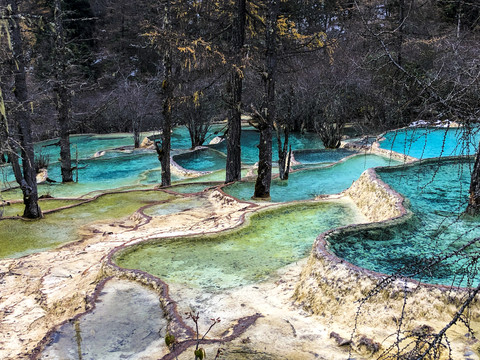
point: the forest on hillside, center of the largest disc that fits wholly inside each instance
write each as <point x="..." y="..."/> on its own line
<point x="104" y="66"/>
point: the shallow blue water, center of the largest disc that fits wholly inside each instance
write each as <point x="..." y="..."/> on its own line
<point x="250" y="139"/>
<point x="321" y="155"/>
<point x="437" y="194"/>
<point x="307" y="184"/>
<point x="201" y="160"/>
<point x="425" y="143"/>
<point x="87" y="145"/>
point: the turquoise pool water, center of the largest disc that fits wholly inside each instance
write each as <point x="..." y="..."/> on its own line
<point x="273" y="239"/>
<point x="307" y="184"/>
<point x="425" y="143"/>
<point x="86" y="145"/>
<point x="201" y="160"/>
<point x="321" y="155"/>
<point x="102" y="174"/>
<point x="250" y="139"/>
<point x="437" y="194"/>
<point x="125" y="168"/>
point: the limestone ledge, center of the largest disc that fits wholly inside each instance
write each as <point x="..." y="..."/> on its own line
<point x="375" y="149"/>
<point x="375" y="199"/>
<point x="332" y="287"/>
<point x="42" y="290"/>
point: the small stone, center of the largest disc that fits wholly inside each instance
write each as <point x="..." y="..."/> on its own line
<point x="369" y="344"/>
<point x="340" y="340"/>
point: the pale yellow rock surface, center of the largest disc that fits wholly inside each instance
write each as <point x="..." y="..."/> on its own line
<point x="41" y="290"/>
<point x="301" y="305"/>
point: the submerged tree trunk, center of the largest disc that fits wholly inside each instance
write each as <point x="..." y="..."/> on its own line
<point x="27" y="180"/>
<point x="264" y="178"/>
<point x="233" y="166"/>
<point x="473" y="207"/>
<point x="284" y="153"/>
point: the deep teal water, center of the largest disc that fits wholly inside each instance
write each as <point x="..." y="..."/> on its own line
<point x="250" y="139"/>
<point x="321" y="155"/>
<point x="307" y="184"/>
<point x="86" y="145"/>
<point x="437" y="194"/>
<point x="201" y="160"/>
<point x="425" y="143"/>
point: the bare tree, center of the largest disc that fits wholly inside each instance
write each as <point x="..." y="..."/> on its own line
<point x="233" y="166"/>
<point x="24" y="175"/>
<point x="267" y="118"/>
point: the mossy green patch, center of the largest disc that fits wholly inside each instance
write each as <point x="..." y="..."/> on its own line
<point x="16" y="209"/>
<point x="22" y="237"/>
<point x="271" y="240"/>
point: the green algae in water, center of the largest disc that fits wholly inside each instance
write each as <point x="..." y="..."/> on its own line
<point x="307" y="184"/>
<point x="127" y="321"/>
<point x="271" y="240"/>
<point x="22" y="237"/>
<point x="17" y="209"/>
<point x="437" y="193"/>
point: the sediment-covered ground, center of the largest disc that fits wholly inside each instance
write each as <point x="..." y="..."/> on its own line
<point x="42" y="290"/>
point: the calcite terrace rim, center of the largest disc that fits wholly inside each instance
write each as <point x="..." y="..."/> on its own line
<point x="320" y="248"/>
<point x="90" y="305"/>
<point x="176" y="324"/>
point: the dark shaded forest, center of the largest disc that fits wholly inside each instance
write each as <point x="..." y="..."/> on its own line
<point x="335" y="67"/>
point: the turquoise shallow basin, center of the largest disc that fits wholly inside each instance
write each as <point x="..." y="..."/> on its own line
<point x="437" y="193"/>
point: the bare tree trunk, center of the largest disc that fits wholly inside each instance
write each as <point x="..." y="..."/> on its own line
<point x="197" y="131"/>
<point x="27" y="180"/>
<point x="284" y="154"/>
<point x="264" y="178"/>
<point x="473" y="207"/>
<point x="136" y="131"/>
<point x="284" y="151"/>
<point x="168" y="87"/>
<point x="234" y="165"/>
<point x="62" y="95"/>
<point x="167" y="121"/>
